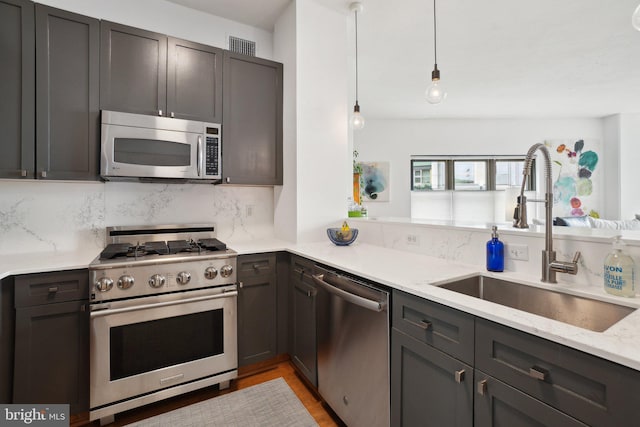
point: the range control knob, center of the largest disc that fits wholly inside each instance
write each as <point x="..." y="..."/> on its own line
<point x="125" y="282"/>
<point x="226" y="271"/>
<point x="104" y="284"/>
<point x="183" y="278"/>
<point x="157" y="281"/>
<point x="210" y="273"/>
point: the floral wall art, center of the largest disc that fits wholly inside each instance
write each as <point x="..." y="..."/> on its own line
<point x="577" y="177"/>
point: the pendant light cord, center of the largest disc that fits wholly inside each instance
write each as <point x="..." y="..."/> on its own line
<point x="356" y="12"/>
<point x="435" y="44"/>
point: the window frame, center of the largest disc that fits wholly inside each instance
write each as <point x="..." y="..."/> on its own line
<point x="490" y="170"/>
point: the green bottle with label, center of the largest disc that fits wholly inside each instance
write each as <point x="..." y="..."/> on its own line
<point x="619" y="271"/>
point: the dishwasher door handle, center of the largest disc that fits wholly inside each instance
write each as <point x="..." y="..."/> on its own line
<point x="348" y="296"/>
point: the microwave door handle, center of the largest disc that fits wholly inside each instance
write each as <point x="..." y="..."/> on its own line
<point x="199" y="154"/>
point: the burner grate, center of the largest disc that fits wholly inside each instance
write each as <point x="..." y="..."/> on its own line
<point x="212" y="244"/>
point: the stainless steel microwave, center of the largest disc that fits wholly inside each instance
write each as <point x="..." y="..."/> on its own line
<point x="140" y="147"/>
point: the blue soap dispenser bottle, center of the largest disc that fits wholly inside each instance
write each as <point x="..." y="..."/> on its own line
<point x="495" y="252"/>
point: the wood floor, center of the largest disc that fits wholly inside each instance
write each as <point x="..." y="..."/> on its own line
<point x="284" y="369"/>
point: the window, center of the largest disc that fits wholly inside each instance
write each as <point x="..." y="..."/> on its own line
<point x="468" y="173"/>
<point x="427" y="175"/>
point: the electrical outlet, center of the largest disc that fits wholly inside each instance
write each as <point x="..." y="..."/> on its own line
<point x="520" y="252"/>
<point x="249" y="210"/>
<point x="412" y="239"/>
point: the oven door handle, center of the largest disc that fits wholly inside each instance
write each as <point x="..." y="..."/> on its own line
<point x="106" y="310"/>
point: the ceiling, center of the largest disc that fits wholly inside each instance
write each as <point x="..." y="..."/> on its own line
<point x="498" y="58"/>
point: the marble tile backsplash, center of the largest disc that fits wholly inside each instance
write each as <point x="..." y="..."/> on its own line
<point x="37" y="216"/>
<point x="468" y="246"/>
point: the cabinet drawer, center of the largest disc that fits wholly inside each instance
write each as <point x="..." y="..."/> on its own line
<point x="497" y="404"/>
<point x="445" y="328"/>
<point x="256" y="265"/>
<point x="301" y="265"/>
<point x="590" y="389"/>
<point x="45" y="288"/>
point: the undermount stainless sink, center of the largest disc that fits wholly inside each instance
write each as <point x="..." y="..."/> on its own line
<point x="583" y="312"/>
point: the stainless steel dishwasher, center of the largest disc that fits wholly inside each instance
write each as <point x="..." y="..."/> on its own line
<point x="353" y="348"/>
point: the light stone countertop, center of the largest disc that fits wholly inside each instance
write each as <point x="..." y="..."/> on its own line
<point x="415" y="274"/>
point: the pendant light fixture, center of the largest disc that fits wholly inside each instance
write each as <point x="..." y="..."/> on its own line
<point x="635" y="18"/>
<point x="435" y="92"/>
<point x="357" y="121"/>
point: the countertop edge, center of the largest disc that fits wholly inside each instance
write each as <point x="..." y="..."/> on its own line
<point x="619" y="344"/>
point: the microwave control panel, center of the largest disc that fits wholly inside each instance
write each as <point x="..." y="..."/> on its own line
<point x="212" y="152"/>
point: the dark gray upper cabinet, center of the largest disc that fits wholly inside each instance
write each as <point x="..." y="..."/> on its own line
<point x="17" y="89"/>
<point x="194" y="81"/>
<point x="67" y="95"/>
<point x="252" y="122"/>
<point x="149" y="73"/>
<point x="133" y="69"/>
<point x="257" y="324"/>
<point x="52" y="339"/>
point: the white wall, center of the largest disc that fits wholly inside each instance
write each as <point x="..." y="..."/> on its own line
<point x="611" y="129"/>
<point x="629" y="158"/>
<point x="171" y="19"/>
<point x="284" y="50"/>
<point x="396" y="140"/>
<point x="322" y="158"/>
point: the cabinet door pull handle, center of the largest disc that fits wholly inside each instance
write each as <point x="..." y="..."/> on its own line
<point x="53" y="289"/>
<point x="422" y="324"/>
<point x="538" y="373"/>
<point x="160" y="112"/>
<point x="482" y="387"/>
<point x="240" y="285"/>
<point x="173" y="115"/>
<point x="256" y="266"/>
<point x="460" y="376"/>
<point x="43" y="174"/>
<point x="23" y="172"/>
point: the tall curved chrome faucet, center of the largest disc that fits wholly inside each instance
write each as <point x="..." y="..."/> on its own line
<point x="549" y="264"/>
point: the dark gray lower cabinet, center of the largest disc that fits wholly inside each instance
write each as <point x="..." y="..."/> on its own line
<point x="498" y="404"/>
<point x="257" y="307"/>
<point x="428" y="387"/>
<point x="595" y="391"/>
<point x="67" y="95"/>
<point x="52" y="339"/>
<point x="304" y="324"/>
<point x="511" y="378"/>
<point x="17" y="89"/>
<point x="7" y="331"/>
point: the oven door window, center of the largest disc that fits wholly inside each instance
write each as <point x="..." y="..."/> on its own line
<point x="147" y="346"/>
<point x="151" y="152"/>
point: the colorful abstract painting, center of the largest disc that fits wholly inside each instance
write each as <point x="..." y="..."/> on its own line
<point x="375" y="181"/>
<point x="577" y="176"/>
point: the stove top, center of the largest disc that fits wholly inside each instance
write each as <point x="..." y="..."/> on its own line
<point x="171" y="247"/>
<point x="147" y="261"/>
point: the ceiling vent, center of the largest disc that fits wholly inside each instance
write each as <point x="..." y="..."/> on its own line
<point x="245" y="47"/>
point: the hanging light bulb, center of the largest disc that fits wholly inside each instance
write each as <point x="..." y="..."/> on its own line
<point x="635" y="18"/>
<point x="357" y="121"/>
<point x="435" y="93"/>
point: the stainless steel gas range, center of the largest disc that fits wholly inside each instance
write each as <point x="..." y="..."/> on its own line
<point x="163" y="316"/>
